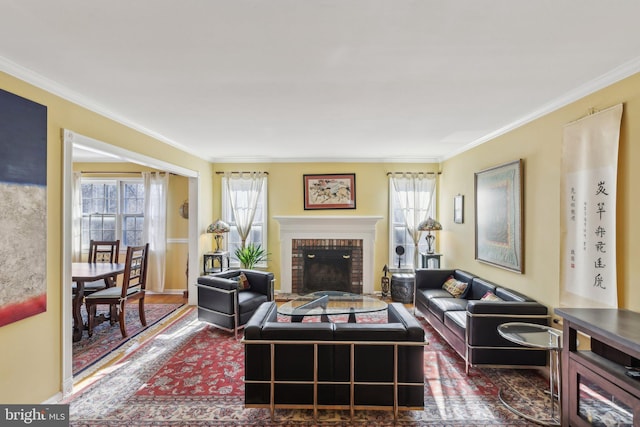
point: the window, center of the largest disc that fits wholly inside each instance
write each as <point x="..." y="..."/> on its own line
<point x="258" y="233"/>
<point x="111" y="210"/>
<point x="132" y="213"/>
<point x="398" y="233"/>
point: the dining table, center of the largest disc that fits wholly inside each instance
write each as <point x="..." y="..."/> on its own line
<point x="83" y="272"/>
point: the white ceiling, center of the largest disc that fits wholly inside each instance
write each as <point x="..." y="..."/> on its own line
<point x="316" y="80"/>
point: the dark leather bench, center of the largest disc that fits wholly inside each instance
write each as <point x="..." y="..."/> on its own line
<point x="316" y="357"/>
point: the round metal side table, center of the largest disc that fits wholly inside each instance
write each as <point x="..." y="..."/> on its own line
<point x="544" y="337"/>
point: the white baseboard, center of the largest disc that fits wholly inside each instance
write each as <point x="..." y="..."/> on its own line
<point x="167" y="292"/>
<point x="56" y="398"/>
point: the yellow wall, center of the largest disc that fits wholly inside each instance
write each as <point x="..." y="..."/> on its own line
<point x="539" y="144"/>
<point x="286" y="198"/>
<point x="177" y="235"/>
<point x="31" y="356"/>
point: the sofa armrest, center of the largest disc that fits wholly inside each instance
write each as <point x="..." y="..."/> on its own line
<point x="398" y="313"/>
<point x="267" y="312"/>
<point x="484" y="317"/>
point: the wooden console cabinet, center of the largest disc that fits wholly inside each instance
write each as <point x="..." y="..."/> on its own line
<point x="596" y="389"/>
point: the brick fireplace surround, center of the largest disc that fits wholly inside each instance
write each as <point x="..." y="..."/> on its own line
<point x="327" y="231"/>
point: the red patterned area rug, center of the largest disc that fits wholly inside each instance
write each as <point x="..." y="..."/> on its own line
<point x="107" y="338"/>
<point x="190" y="374"/>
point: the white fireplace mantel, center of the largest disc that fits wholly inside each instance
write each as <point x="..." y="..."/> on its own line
<point x="327" y="227"/>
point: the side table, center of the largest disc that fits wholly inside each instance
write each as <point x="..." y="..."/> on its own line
<point x="433" y="259"/>
<point x="543" y="337"/>
<point x="402" y="285"/>
<point x="216" y="262"/>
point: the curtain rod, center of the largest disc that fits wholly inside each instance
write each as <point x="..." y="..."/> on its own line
<point x="241" y="172"/>
<point x="419" y="173"/>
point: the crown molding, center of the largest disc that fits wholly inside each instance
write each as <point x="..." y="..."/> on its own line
<point x="617" y="74"/>
<point x="325" y="160"/>
<point x="64" y="92"/>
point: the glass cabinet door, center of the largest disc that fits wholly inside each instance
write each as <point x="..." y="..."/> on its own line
<point x="598" y="402"/>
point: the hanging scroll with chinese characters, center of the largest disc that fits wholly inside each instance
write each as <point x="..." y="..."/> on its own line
<point x="588" y="210"/>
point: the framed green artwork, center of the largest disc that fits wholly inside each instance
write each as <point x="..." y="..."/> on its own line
<point x="498" y="211"/>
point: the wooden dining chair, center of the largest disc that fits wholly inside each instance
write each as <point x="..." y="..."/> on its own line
<point x="133" y="288"/>
<point x="100" y="251"/>
<point x="103" y="250"/>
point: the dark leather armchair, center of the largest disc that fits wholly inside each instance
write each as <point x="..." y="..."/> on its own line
<point x="222" y="304"/>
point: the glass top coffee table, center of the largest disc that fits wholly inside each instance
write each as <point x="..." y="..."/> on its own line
<point x="326" y="303"/>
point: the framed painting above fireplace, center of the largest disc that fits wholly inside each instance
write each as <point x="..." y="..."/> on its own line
<point x="330" y="191"/>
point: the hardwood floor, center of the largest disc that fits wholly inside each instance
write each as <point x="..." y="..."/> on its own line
<point x="165" y="298"/>
<point x="91" y="375"/>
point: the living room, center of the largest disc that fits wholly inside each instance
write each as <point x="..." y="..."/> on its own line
<point x="33" y="369"/>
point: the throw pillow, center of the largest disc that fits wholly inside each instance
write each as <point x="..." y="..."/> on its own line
<point x="455" y="287"/>
<point x="490" y="296"/>
<point x="243" y="282"/>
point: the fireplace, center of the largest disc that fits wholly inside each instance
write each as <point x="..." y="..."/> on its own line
<point x="327" y="233"/>
<point x="326" y="264"/>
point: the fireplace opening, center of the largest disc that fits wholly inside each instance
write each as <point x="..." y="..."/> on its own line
<point x="326" y="265"/>
<point x="327" y="270"/>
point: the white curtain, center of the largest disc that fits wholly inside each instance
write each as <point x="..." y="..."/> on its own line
<point x="76" y="217"/>
<point x="155" y="227"/>
<point x="415" y="194"/>
<point x="244" y="191"/>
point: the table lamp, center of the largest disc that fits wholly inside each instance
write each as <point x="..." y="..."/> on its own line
<point x="430" y="225"/>
<point x="218" y="228"/>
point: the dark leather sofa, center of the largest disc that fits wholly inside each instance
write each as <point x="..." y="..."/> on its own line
<point x="223" y="305"/>
<point x="470" y="325"/>
<point x="295" y="343"/>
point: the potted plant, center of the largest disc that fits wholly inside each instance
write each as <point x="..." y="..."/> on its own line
<point x="251" y="255"/>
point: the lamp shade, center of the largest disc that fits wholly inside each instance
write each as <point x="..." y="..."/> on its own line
<point x="429" y="224"/>
<point x="218" y="227"/>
